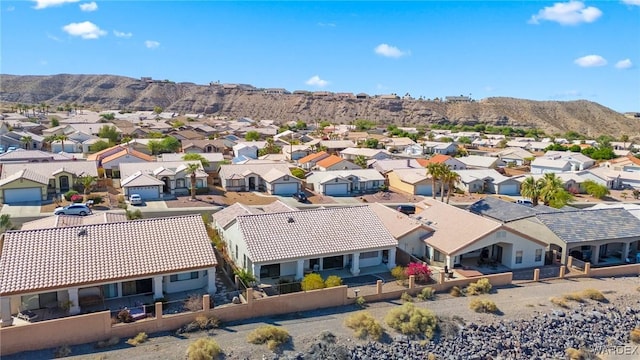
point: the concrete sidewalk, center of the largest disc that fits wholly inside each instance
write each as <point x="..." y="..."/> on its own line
<point x="23" y="210"/>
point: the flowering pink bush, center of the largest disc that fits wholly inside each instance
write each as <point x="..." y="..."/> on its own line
<point x="420" y="271"/>
<point x="77" y="198"/>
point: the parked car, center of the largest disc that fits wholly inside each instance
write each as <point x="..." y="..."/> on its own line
<point x="407" y="209"/>
<point x="301" y="197"/>
<point x="135" y="199"/>
<point x="73" y="209"/>
<point x="11" y="148"/>
<point x="525" y="202"/>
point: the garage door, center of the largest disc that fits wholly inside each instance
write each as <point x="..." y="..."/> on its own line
<point x="336" y="189"/>
<point x="510" y="189"/>
<point x="12" y="196"/>
<point x="423" y="190"/>
<point x="285" y="189"/>
<point x="145" y="192"/>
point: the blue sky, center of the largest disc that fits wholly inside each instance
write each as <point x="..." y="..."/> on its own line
<point x="540" y="50"/>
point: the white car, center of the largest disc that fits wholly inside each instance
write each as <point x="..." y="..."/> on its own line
<point x="135" y="199"/>
<point x="73" y="209"/>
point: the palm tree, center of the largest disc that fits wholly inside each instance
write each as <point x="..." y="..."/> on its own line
<point x="5" y="222"/>
<point x="87" y="182"/>
<point x="361" y="161"/>
<point x="196" y="157"/>
<point x="48" y="140"/>
<point x="62" y="138"/>
<point x="552" y="190"/>
<point x="451" y="178"/>
<point x="26" y="140"/>
<point x="530" y="188"/>
<point x="191" y="170"/>
<point x="435" y="170"/>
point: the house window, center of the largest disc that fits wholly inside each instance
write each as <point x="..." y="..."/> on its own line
<point x="110" y="290"/>
<point x="184" y="276"/>
<point x="519" y="257"/>
<point x="369" y="254"/>
<point x="244" y="261"/>
<point x="501" y="234"/>
<point x="236" y="254"/>
<point x="538" y="255"/>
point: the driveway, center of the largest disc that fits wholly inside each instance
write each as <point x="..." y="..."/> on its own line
<point x="149" y="205"/>
<point x="25" y="210"/>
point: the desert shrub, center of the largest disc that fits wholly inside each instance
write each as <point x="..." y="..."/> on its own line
<point x="193" y="303"/>
<point x="297" y="172"/>
<point x="77" y="198"/>
<point x="406" y="297"/>
<point x="364" y="325"/>
<point x="361" y="302"/>
<point x="69" y="194"/>
<point x="133" y="215"/>
<point x="112" y="341"/>
<point x="124" y="316"/>
<point x="273" y="336"/>
<point x="426" y="294"/>
<point x="593" y="294"/>
<point x="455" y="292"/>
<point x="410" y="320"/>
<point x="399" y="273"/>
<point x="244" y="275"/>
<point x="634" y="335"/>
<point x="420" y="271"/>
<point x="482" y="286"/>
<point x="579" y="354"/>
<point x="62" y="351"/>
<point x="97" y="199"/>
<point x="577" y="297"/>
<point x="138" y="339"/>
<point x="120" y="198"/>
<point x="483" y="306"/>
<point x="332" y="281"/>
<point x="558" y="301"/>
<point x="203" y="349"/>
<point x="312" y="282"/>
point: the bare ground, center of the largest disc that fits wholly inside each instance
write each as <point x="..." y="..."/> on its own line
<point x="515" y="302"/>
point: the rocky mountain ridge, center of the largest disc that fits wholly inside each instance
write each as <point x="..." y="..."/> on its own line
<point x="102" y="92"/>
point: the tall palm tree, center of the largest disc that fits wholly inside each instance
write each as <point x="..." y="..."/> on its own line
<point x="435" y="170"/>
<point x="196" y="157"/>
<point x="191" y="170"/>
<point x="62" y="138"/>
<point x="451" y="178"/>
<point x="530" y="188"/>
<point x="87" y="182"/>
<point x="26" y="140"/>
<point x="551" y="188"/>
<point x="48" y="140"/>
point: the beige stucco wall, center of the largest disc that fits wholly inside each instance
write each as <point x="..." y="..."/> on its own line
<point x="396" y="183"/>
<point x="413" y="242"/>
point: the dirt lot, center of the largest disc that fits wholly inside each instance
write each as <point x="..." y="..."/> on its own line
<point x="218" y="197"/>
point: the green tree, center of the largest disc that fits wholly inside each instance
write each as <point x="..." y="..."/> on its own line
<point x="196" y="157"/>
<point x="594" y="189"/>
<point x="464" y="140"/>
<point x="170" y="144"/>
<point x="5" y="222"/>
<point x="312" y="282"/>
<point x="301" y="125"/>
<point x="191" y="171"/>
<point x="625" y="140"/>
<point x="552" y="191"/>
<point x="154" y="147"/>
<point x="48" y="140"/>
<point x="361" y="161"/>
<point x="252" y="135"/>
<point x="270" y="148"/>
<point x="26" y="141"/>
<point x="157" y="110"/>
<point x="575" y="148"/>
<point x="62" y="138"/>
<point x="451" y="178"/>
<point x="87" y="182"/>
<point x="109" y="132"/>
<point x="323" y="124"/>
<point x="371" y="143"/>
<point x="297" y="172"/>
<point x="108" y="116"/>
<point x="435" y="171"/>
<point x="99" y="146"/>
<point x="364" y="125"/>
<point x="531" y="189"/>
<point x="55" y="122"/>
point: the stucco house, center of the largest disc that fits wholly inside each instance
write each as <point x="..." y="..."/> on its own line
<point x="295" y="152"/>
<point x="334" y="162"/>
<point x="155" y="179"/>
<point x="345" y="182"/>
<point x="409" y="232"/>
<point x="481" y="239"/>
<point x="31" y="156"/>
<point x="223" y="146"/>
<point x="23" y="182"/>
<point x="273" y="178"/>
<point x="291" y="244"/>
<point x="47" y="268"/>
<point x="214" y="159"/>
<point x="111" y="158"/>
<point x="479" y="162"/>
<point x="514" y="155"/>
<point x="559" y="161"/>
<point x="369" y="154"/>
<point x="411" y="181"/>
<point x="308" y="162"/>
<point x="432" y="147"/>
<point x="487" y="181"/>
<point x="450" y="161"/>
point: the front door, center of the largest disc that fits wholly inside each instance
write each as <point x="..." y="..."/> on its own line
<point x="497" y="252"/>
<point x="333" y="262"/>
<point x="252" y="183"/>
<point x="64" y="184"/>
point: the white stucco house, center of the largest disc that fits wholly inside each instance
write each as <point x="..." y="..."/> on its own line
<point x="273" y="178"/>
<point x="345" y="182"/>
<point x="154" y="179"/>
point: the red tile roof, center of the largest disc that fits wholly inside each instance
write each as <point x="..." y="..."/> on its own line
<point x="329" y="161"/>
<point x="312" y="157"/>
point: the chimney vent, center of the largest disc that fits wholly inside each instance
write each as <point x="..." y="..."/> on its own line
<point x="82" y="232"/>
<point x="290" y="220"/>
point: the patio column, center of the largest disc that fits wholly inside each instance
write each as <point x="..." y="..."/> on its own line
<point x="355" y="265"/>
<point x="625" y="251"/>
<point x="595" y="256"/>
<point x="5" y="310"/>
<point x="75" y="302"/>
<point x="300" y="269"/>
<point x="211" y="281"/>
<point x="255" y="268"/>
<point x="449" y="262"/>
<point x="157" y="287"/>
<point x="391" y="261"/>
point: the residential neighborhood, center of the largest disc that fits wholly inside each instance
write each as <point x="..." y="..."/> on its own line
<point x="181" y="211"/>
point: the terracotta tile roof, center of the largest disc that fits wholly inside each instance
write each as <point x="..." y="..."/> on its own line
<point x="49" y="259"/>
<point x="27" y="174"/>
<point x="396" y="222"/>
<point x="226" y="216"/>
<point x="329" y="161"/>
<point x="311" y="233"/>
<point x="436" y="159"/>
<point x="312" y="157"/>
<point x="278" y="206"/>
<point x="70" y="220"/>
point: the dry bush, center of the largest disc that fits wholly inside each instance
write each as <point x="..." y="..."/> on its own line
<point x="410" y="320"/>
<point x="593" y="294"/>
<point x="483" y="306"/>
<point x="406" y="297"/>
<point x="273" y="336"/>
<point x="579" y="354"/>
<point x="557" y="301"/>
<point x="577" y="297"/>
<point x="203" y="349"/>
<point x="62" y="351"/>
<point x="426" y="294"/>
<point x="455" y="292"/>
<point x="332" y="281"/>
<point x="634" y="335"/>
<point x="193" y="303"/>
<point x="113" y="341"/>
<point x="361" y="302"/>
<point x="364" y="325"/>
<point x="138" y="339"/>
<point x="482" y="286"/>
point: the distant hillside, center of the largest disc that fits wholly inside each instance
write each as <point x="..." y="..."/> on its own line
<point x="101" y="92"/>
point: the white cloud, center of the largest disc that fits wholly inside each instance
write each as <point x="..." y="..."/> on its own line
<point x="86" y="30"/>
<point x="632" y="2"/>
<point x="591" y="61"/>
<point x="150" y="44"/>
<point x="88" y="7"/>
<point x="624" y="64"/>
<point x="43" y="4"/>
<point x="121" y="34"/>
<point x="569" y="13"/>
<point x="54" y="38"/>
<point x="316" y="81"/>
<point x="390" y="51"/>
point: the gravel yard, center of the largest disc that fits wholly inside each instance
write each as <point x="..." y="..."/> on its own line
<point x="520" y="307"/>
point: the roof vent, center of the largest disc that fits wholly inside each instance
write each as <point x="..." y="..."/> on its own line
<point x="290" y="220"/>
<point x="82" y="232"/>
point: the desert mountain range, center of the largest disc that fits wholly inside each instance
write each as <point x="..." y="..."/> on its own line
<point x="110" y="92"/>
